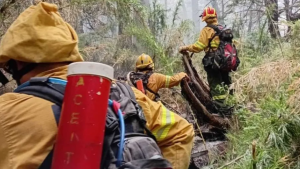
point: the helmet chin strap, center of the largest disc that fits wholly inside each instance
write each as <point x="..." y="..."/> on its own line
<point x="148" y="68"/>
<point x="18" y="74"/>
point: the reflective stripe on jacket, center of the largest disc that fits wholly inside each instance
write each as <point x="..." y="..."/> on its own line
<point x="205" y="35"/>
<point x="173" y="133"/>
<point x="157" y="81"/>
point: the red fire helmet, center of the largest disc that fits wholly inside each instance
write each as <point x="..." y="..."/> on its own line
<point x="208" y="12"/>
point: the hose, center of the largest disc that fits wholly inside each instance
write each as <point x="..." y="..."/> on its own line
<point x="122" y="134"/>
<point x="120" y="153"/>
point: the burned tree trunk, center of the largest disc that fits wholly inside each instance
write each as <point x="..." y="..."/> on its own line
<point x="197" y="93"/>
<point x="210" y="127"/>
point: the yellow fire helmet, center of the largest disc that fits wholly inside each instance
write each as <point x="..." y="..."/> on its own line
<point x="144" y="62"/>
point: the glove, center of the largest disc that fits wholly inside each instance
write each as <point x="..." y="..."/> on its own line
<point x="183" y="49"/>
<point x="188" y="79"/>
<point x="235" y="42"/>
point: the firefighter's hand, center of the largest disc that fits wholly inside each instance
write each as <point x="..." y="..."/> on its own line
<point x="183" y="49"/>
<point x="188" y="79"/>
<point x="235" y="42"/>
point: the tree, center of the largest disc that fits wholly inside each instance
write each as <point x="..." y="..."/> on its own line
<point x="195" y="13"/>
<point x="220" y="13"/>
<point x="272" y="15"/>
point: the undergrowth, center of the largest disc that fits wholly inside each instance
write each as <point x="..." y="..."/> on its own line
<point x="266" y="130"/>
<point x="274" y="131"/>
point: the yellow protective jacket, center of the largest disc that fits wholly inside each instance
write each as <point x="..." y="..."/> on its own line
<point x="157" y="81"/>
<point x="203" y="42"/>
<point x="28" y="129"/>
<point x="174" y="134"/>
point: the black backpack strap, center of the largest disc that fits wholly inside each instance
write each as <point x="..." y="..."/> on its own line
<point x="40" y="87"/>
<point x="145" y="81"/>
<point x="147" y="76"/>
<point x="127" y="89"/>
<point x="157" y="96"/>
<point x="110" y="131"/>
<point x="217" y="30"/>
<point x="144" y="77"/>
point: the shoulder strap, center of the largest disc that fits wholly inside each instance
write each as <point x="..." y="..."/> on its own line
<point x="157" y="96"/>
<point x="217" y="30"/>
<point x="126" y="89"/>
<point x="110" y="132"/>
<point x="40" y="87"/>
<point x="147" y="76"/>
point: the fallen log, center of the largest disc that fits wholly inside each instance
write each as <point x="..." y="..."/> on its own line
<point x="202" y="90"/>
<point x="210" y="136"/>
<point x="202" y="111"/>
<point x="199" y="98"/>
<point x="201" y="82"/>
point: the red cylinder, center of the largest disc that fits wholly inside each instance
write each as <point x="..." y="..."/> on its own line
<point x="139" y="85"/>
<point x="82" y="123"/>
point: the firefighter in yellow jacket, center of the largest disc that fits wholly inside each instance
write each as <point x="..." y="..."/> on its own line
<point x="41" y="44"/>
<point x="218" y="80"/>
<point x="155" y="81"/>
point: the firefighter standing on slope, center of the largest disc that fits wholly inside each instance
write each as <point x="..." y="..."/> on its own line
<point x="155" y="81"/>
<point x="218" y="80"/>
<point x="41" y="44"/>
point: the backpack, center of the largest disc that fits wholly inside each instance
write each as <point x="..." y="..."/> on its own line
<point x="226" y="57"/>
<point x="136" y="141"/>
<point x="133" y="77"/>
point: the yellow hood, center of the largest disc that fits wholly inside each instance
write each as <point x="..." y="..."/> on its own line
<point x="40" y="35"/>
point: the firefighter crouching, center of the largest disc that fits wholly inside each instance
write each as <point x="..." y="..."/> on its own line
<point x="152" y="82"/>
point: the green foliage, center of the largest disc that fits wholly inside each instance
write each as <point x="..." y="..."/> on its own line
<point x="176" y="12"/>
<point x="258" y="42"/>
<point x="140" y="30"/>
<point x="275" y="130"/>
<point x="157" y="38"/>
<point x="157" y="19"/>
<point x="295" y="37"/>
<point x="268" y="119"/>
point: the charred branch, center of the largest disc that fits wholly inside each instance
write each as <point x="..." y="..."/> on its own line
<point x="197" y="93"/>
